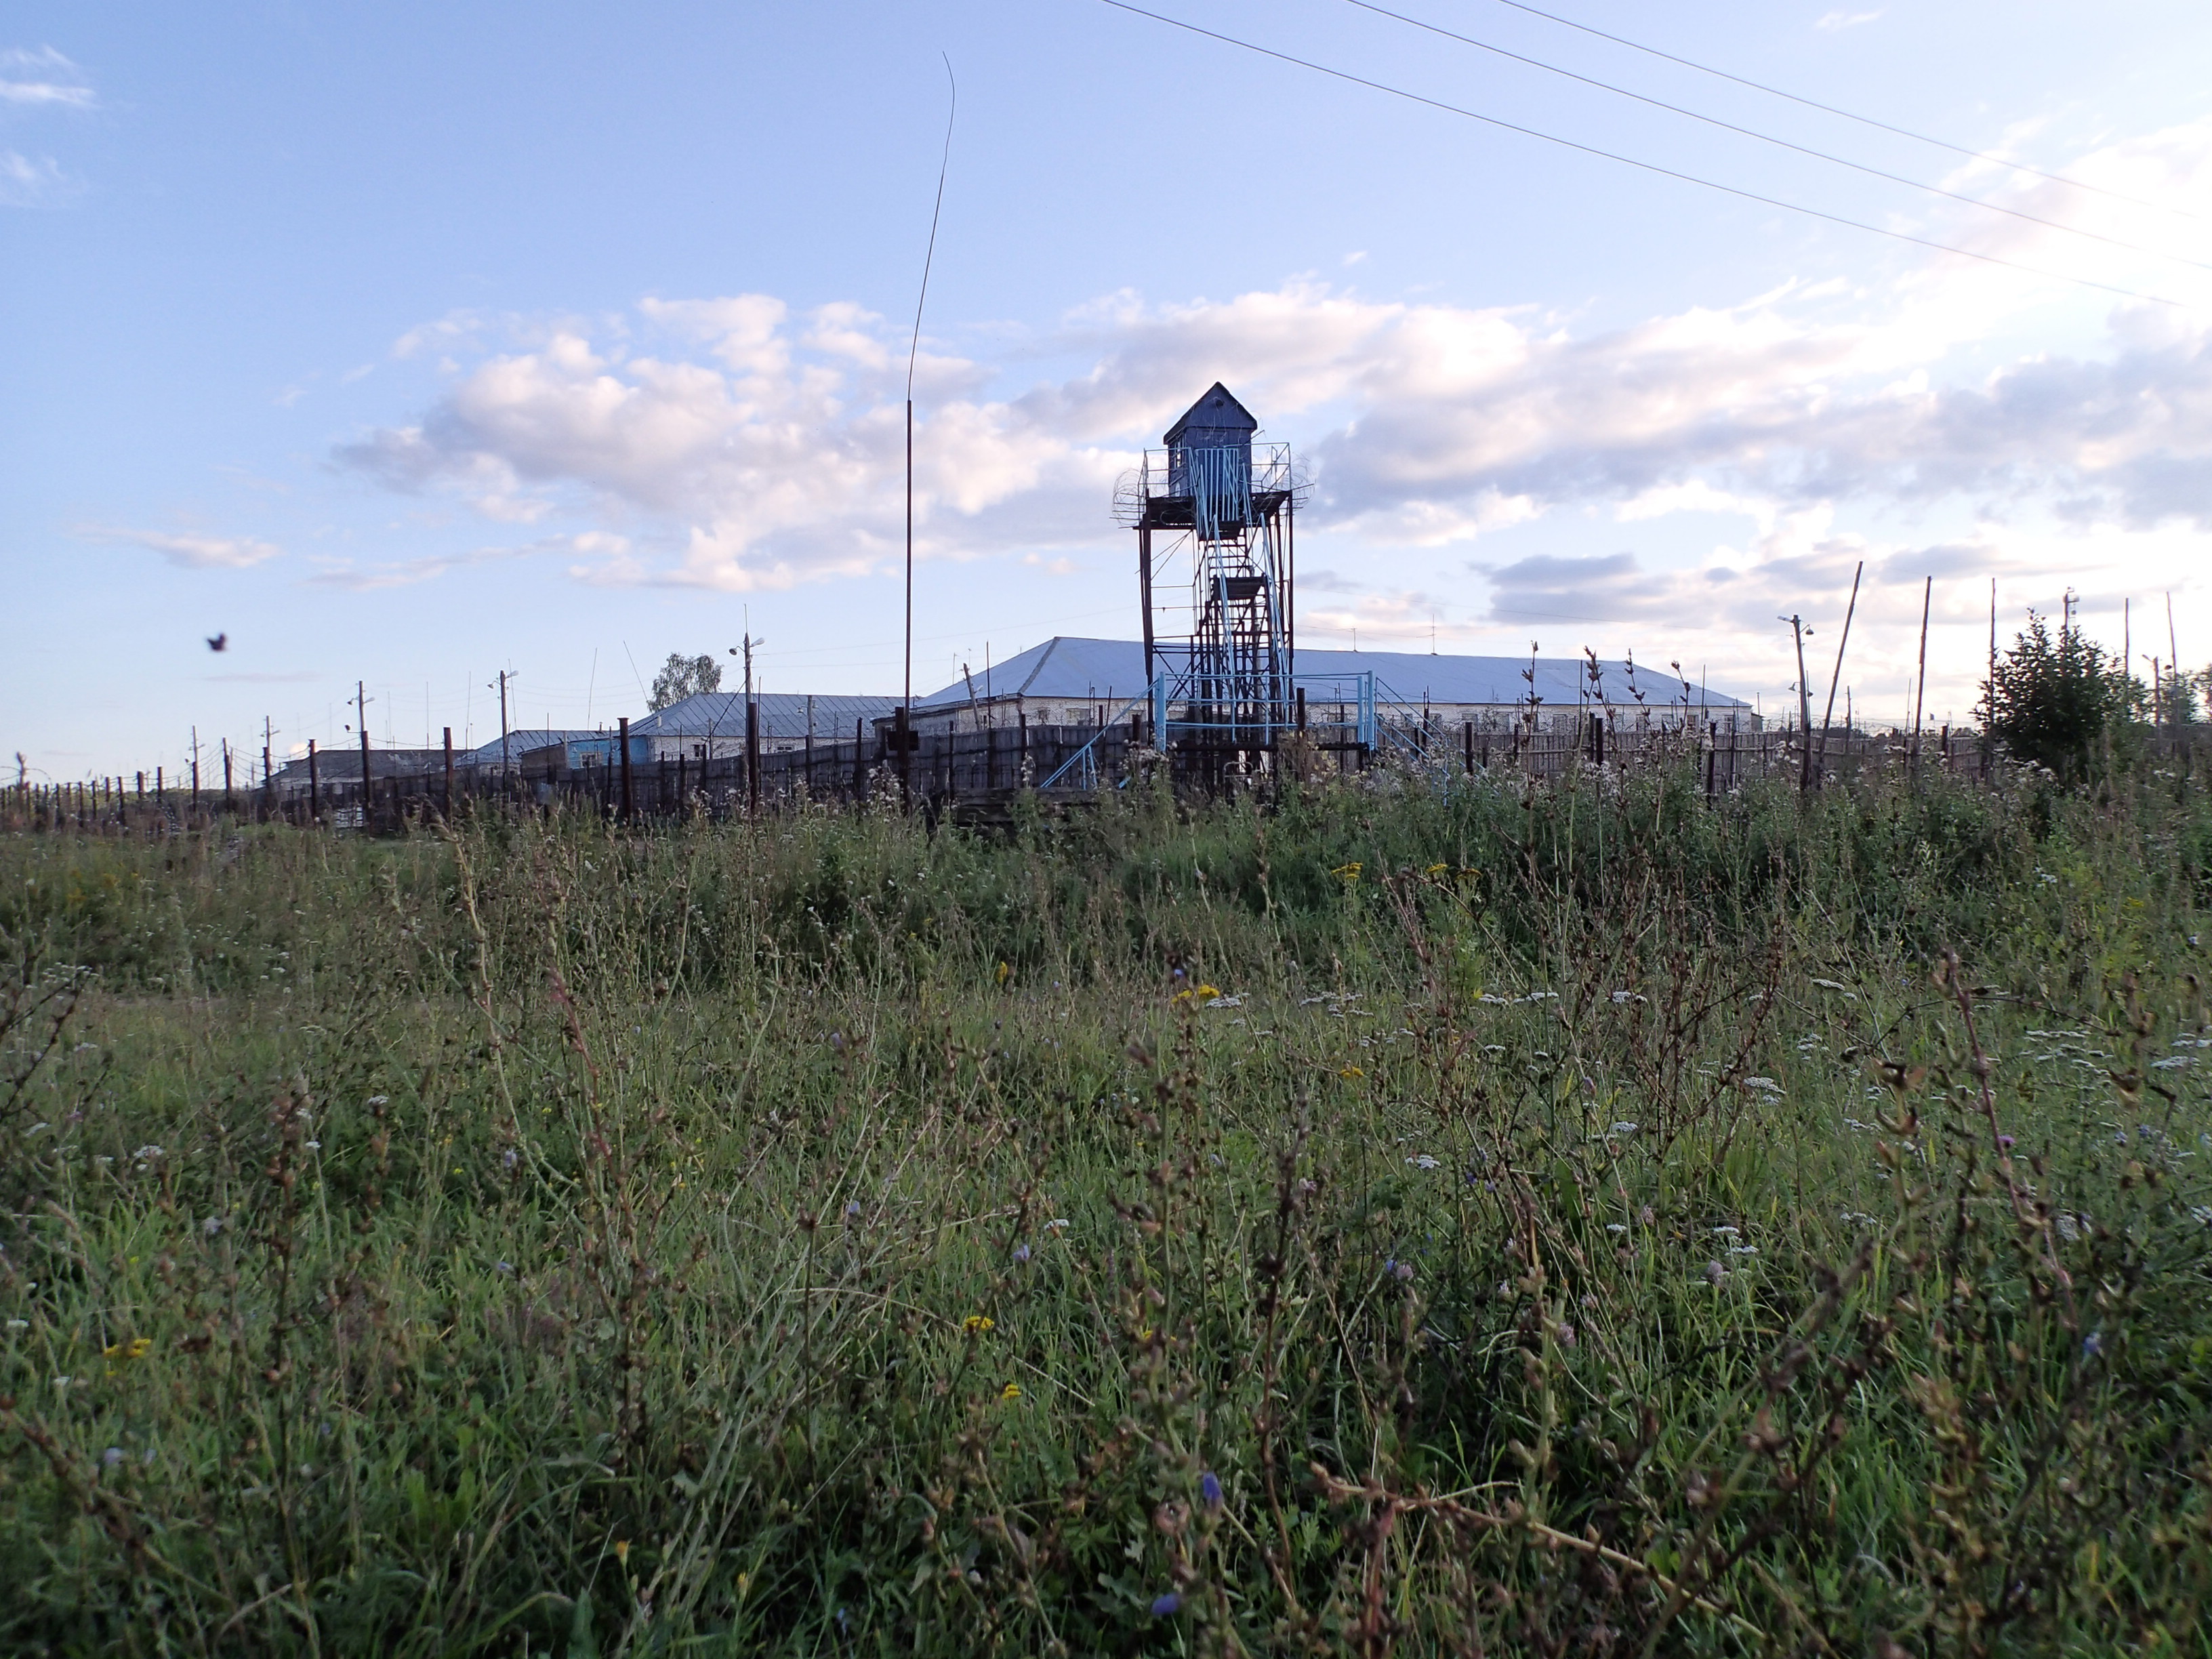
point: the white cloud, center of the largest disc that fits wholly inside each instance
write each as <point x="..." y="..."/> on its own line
<point x="193" y="552"/>
<point x="764" y="447"/>
<point x="32" y="181"/>
<point x="42" y="79"/>
<point x="345" y="575"/>
<point x="1835" y="21"/>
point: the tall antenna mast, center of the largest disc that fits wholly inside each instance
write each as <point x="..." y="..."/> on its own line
<point x="913" y="348"/>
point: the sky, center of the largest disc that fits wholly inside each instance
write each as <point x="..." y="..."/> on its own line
<point x="403" y="345"/>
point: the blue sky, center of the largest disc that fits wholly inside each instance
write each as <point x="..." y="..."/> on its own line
<point x="409" y="342"/>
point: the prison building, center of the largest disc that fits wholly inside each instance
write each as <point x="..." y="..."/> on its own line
<point x="1080" y="682"/>
<point x="712" y="725"/>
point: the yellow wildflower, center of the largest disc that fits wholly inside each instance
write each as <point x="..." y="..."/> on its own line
<point x="1350" y="1073"/>
<point x="1006" y="972"/>
<point x="622" y="1551"/>
<point x="137" y="1348"/>
<point x="976" y="1324"/>
<point x="1012" y="1391"/>
<point x="1435" y="869"/>
<point x="1347" y="872"/>
<point x="1206" y="991"/>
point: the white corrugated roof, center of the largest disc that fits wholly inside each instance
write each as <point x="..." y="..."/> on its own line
<point x="783" y="715"/>
<point x="1063" y="667"/>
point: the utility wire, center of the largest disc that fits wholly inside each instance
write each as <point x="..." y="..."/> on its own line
<point x="1647" y="167"/>
<point x="1848" y="115"/>
<point x="1769" y="138"/>
<point x="929" y="256"/>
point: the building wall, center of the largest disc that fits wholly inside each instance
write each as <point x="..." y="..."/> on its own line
<point x="1006" y="711"/>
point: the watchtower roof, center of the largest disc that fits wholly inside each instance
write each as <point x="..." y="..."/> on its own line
<point x="1216" y="411"/>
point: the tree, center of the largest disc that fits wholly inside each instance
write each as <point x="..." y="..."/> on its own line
<point x="2053" y="701"/>
<point x="2181" y="696"/>
<point x="683" y="677"/>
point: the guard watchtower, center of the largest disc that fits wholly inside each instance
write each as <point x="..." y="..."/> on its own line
<point x="1214" y="513"/>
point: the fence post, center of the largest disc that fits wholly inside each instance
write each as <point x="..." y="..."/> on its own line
<point x="625" y="741"/>
<point x="752" y="756"/>
<point x="314" y="787"/>
<point x="859" y="761"/>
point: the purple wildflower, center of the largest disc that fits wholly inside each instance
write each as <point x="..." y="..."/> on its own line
<point x="1209" y="1488"/>
<point x="1166" y="1606"/>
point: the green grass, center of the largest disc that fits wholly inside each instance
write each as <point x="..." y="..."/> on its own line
<point x="1212" y="1231"/>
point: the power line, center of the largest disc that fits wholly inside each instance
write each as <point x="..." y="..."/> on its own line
<point x="1630" y="160"/>
<point x="1848" y="115"/>
<point x="1769" y="138"/>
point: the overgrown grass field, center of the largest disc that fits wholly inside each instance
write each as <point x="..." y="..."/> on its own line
<point x="1579" y="1219"/>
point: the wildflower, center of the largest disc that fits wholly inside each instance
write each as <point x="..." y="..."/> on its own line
<point x="1347" y="874"/>
<point x="1207" y="992"/>
<point x="1012" y="1391"/>
<point x="111" y="1457"/>
<point x="1057" y="1224"/>
<point x="1435" y="869"/>
<point x="1566" y="1336"/>
<point x="1004" y="974"/>
<point x="622" y="1551"/>
<point x="1351" y="1073"/>
<point x="503" y="1266"/>
<point x="2005" y="1141"/>
<point x="1401" y="1271"/>
<point x="378" y="1100"/>
<point x="2092" y="1345"/>
<point x="1715" y="1273"/>
<point x="212" y="1225"/>
<point x="1166" y="1606"/>
<point x="1624" y="1128"/>
<point x="853" y="1210"/>
<point x="1021" y="1252"/>
<point x="508" y="1159"/>
<point x="137" y="1348"/>
<point x="1616" y="1226"/>
<point x="977" y="1324"/>
<point x="19" y="1324"/>
<point x="1424" y="1162"/>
